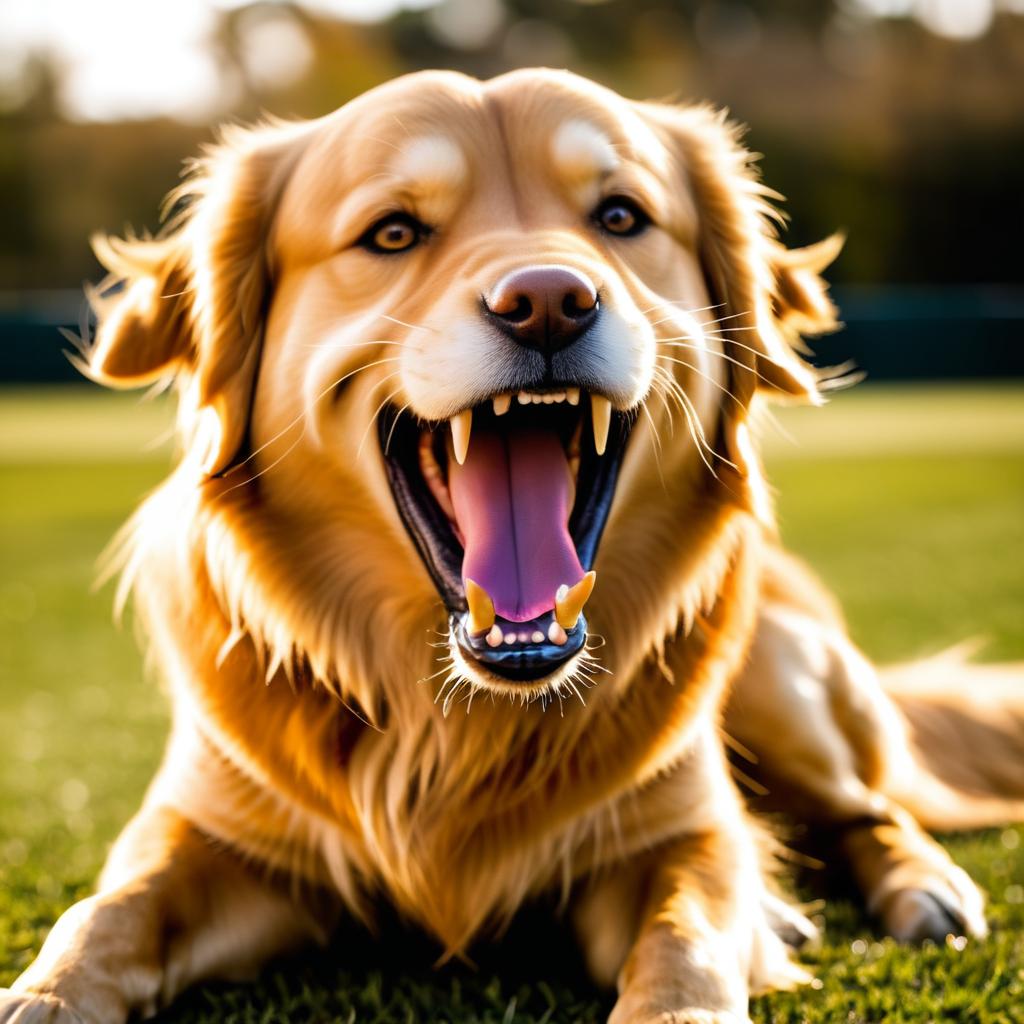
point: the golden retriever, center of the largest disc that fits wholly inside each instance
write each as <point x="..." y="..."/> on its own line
<point x="467" y="565"/>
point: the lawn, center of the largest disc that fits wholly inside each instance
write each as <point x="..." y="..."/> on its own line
<point x="910" y="502"/>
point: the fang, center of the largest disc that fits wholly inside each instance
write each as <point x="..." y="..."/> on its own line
<point x="569" y="601"/>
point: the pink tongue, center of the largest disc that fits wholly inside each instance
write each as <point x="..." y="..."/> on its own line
<point x="512" y="504"/>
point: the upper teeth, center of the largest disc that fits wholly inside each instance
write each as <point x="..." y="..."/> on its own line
<point x="570" y="395"/>
<point x="600" y="416"/>
<point x="462" y="426"/>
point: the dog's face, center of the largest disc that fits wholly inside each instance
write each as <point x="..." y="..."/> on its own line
<point x="480" y="318"/>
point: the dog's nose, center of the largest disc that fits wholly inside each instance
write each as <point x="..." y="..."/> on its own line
<point x="543" y="307"/>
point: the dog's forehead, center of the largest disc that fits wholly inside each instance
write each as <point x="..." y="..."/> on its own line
<point x="438" y="126"/>
<point x="433" y="140"/>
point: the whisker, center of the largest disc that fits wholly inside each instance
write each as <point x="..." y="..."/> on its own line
<point x="296" y="442"/>
<point x="327" y="390"/>
<point x="693" y="421"/>
<point x="680" y="302"/>
<point x="708" y="323"/>
<point x="394" y="423"/>
<point x="711" y="334"/>
<point x="722" y="355"/>
<point x="711" y="380"/>
<point x="668" y="409"/>
<point x="357" y="344"/>
<point x="267" y="469"/>
<point x="373" y="418"/>
<point x="697" y="435"/>
<point x="412" y="327"/>
<point x="656" y="443"/>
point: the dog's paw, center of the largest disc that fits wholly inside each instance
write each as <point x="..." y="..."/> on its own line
<point x="914" y="915"/>
<point x="35" y="1008"/>
<point x="637" y="1011"/>
<point x="688" y="1016"/>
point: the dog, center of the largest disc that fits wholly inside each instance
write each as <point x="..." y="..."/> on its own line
<point x="467" y="571"/>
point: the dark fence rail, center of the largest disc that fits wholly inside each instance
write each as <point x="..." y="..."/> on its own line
<point x="890" y="333"/>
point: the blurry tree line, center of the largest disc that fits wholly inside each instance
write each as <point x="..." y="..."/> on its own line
<point x="910" y="142"/>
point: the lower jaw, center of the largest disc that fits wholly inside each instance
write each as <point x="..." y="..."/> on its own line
<point x="525" y="654"/>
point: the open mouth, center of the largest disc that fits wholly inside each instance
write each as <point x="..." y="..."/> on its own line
<point x="506" y="503"/>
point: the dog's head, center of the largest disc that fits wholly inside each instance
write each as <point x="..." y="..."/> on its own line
<point x="436" y="344"/>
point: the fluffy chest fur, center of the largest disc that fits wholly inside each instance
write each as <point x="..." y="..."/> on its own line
<point x="455" y="815"/>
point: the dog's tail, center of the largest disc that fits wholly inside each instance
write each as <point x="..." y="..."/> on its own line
<point x="966" y="726"/>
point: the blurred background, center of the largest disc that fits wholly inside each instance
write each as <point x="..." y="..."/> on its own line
<point x="898" y="121"/>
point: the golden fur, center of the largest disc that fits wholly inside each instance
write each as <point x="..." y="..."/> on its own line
<point x="318" y="738"/>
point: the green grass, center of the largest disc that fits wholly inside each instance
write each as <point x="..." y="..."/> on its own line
<point x="909" y="502"/>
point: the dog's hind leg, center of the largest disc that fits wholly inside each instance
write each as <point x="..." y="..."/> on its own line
<point x="172" y="908"/>
<point x="828" y="743"/>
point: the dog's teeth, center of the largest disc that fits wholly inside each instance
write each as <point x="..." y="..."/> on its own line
<point x="481" y="608"/>
<point x="495" y="636"/>
<point x="559" y="396"/>
<point x="547" y="399"/>
<point x="510" y="638"/>
<point x="536" y="399"/>
<point x="601" y="416"/>
<point x="537" y="636"/>
<point x="569" y="601"/>
<point x="462" y="427"/>
<point x="556" y="634"/>
<point x="524" y="398"/>
<point x="573" y="395"/>
<point x="501" y="404"/>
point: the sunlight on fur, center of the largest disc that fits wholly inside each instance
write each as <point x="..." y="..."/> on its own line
<point x="468" y="572"/>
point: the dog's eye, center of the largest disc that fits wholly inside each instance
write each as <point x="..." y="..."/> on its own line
<point x="621" y="216"/>
<point x="396" y="232"/>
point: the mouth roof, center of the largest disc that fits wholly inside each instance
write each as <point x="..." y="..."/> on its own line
<point x="506" y="503"/>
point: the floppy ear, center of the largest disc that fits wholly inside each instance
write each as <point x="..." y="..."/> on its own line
<point x="190" y="304"/>
<point x="767" y="295"/>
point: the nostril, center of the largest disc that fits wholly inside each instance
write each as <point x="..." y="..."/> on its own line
<point x="572" y="308"/>
<point x="521" y="312"/>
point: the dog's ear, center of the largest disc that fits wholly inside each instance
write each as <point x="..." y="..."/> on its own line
<point x="767" y="297"/>
<point x="190" y="304"/>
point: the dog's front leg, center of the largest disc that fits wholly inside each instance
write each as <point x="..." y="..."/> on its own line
<point x="172" y="908"/>
<point x="691" y="958"/>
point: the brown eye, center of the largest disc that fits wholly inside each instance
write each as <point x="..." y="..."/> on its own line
<point x="395" y="233"/>
<point x="620" y="216"/>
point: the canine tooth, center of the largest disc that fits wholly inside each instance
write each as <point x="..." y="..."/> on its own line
<point x="556" y="634"/>
<point x="573" y="394"/>
<point x="537" y="636"/>
<point x="495" y="636"/>
<point x="462" y="427"/>
<point x="569" y="601"/>
<point x="481" y="608"/>
<point x="524" y="398"/>
<point x="601" y="415"/>
<point x="501" y="404"/>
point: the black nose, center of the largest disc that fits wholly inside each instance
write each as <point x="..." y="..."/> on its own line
<point x="543" y="307"/>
